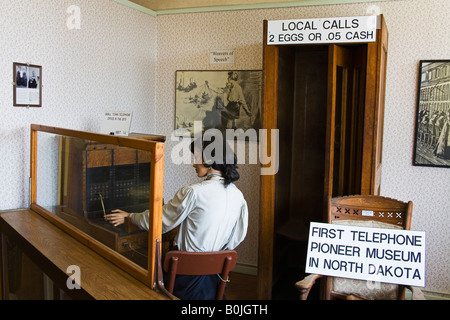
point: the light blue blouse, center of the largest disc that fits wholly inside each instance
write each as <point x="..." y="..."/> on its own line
<point x="211" y="217"/>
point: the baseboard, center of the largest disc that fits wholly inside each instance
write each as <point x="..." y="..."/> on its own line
<point x="431" y="295"/>
<point x="246" y="269"/>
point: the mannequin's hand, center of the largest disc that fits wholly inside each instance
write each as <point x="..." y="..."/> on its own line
<point x="116" y="217"/>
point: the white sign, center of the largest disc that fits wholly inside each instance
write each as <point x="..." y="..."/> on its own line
<point x="116" y="123"/>
<point x="373" y="254"/>
<point x="221" y="56"/>
<point x="323" y="30"/>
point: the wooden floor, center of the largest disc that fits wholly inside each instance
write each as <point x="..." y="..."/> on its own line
<point x="241" y="287"/>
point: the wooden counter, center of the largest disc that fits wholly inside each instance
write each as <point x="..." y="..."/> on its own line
<point x="54" y="251"/>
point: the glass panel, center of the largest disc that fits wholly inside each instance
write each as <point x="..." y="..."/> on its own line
<point x="81" y="181"/>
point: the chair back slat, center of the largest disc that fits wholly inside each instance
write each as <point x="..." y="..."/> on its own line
<point x="200" y="263"/>
<point x="370" y="207"/>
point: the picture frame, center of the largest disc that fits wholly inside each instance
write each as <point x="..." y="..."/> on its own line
<point x="27" y="85"/>
<point x="432" y="130"/>
<point x="219" y="99"/>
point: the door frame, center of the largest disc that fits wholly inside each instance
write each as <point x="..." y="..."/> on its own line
<point x="371" y="163"/>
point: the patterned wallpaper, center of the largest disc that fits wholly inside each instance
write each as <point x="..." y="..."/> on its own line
<point x="123" y="59"/>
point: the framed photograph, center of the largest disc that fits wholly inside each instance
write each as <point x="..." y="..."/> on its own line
<point x="432" y="134"/>
<point x="222" y="100"/>
<point x="27" y="85"/>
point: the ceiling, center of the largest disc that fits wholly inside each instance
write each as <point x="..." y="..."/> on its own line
<point x="158" y="5"/>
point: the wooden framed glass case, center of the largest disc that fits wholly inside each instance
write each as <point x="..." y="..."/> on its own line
<point x="78" y="177"/>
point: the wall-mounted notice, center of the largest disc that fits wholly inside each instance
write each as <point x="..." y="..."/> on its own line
<point x="221" y="56"/>
<point x="322" y="30"/>
<point x="373" y="254"/>
<point x="116" y="123"/>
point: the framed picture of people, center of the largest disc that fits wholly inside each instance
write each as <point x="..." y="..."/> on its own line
<point x="432" y="134"/>
<point x="224" y="99"/>
<point x="27" y="85"/>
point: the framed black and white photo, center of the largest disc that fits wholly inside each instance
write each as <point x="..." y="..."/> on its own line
<point x="432" y="134"/>
<point x="27" y="85"/>
<point x="222" y="100"/>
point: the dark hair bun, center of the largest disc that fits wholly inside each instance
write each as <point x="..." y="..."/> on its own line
<point x="229" y="171"/>
<point x="227" y="165"/>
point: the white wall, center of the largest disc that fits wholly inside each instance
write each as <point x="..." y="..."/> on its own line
<point x="108" y="64"/>
<point x="418" y="30"/>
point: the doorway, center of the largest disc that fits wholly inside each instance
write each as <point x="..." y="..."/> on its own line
<point x="309" y="79"/>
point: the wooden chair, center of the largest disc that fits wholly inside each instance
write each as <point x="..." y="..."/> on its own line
<point x="200" y="263"/>
<point x="363" y="211"/>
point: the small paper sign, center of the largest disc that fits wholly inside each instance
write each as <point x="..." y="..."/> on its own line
<point x="221" y="56"/>
<point x="322" y="30"/>
<point x="116" y="123"/>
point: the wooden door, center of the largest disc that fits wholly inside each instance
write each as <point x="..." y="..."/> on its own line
<point x="338" y="82"/>
<point x="374" y="114"/>
<point x="345" y="123"/>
